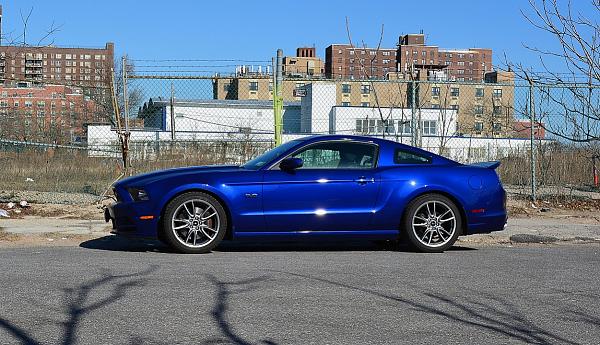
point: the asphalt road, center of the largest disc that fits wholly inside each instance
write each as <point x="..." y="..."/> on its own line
<point x="107" y="292"/>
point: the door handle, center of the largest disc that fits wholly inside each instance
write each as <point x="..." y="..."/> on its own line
<point x="362" y="180"/>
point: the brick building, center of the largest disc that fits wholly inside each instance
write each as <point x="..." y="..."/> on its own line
<point x="52" y="113"/>
<point x="345" y="62"/>
<point x="57" y="65"/>
<point x="342" y="61"/>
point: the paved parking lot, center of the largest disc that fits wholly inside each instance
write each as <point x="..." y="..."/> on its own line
<point x="112" y="292"/>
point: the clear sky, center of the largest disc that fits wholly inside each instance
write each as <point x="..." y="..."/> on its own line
<point x="253" y="30"/>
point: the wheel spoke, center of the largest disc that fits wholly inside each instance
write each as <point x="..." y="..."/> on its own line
<point x="195" y="236"/>
<point x="446" y="220"/>
<point x="206" y="234"/>
<point x="207" y="217"/>
<point x="444" y="230"/>
<point x="445" y="213"/>
<point x="420" y="224"/>
<point x="440" y="234"/>
<point x="180" y="220"/>
<point x="188" y="211"/>
<point x="180" y="227"/>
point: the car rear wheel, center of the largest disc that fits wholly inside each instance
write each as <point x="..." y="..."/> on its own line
<point x="194" y="223"/>
<point x="432" y="223"/>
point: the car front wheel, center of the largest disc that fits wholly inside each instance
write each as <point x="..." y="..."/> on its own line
<point x="194" y="223"/>
<point x="432" y="223"/>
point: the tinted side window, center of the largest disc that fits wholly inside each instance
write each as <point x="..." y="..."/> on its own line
<point x="338" y="155"/>
<point x="407" y="157"/>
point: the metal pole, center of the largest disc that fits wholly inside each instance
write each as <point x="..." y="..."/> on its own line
<point x="277" y="98"/>
<point x="172" y="109"/>
<point x="413" y="116"/>
<point x="125" y="98"/>
<point x="532" y="141"/>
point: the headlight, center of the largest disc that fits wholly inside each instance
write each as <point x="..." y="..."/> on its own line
<point x="137" y="194"/>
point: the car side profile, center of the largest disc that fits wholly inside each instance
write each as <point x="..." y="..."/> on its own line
<point x="332" y="186"/>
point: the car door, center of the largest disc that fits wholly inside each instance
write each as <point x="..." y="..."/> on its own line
<point x="335" y="189"/>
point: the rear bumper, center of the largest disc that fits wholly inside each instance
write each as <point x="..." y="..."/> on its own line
<point x="488" y="223"/>
<point x="125" y="220"/>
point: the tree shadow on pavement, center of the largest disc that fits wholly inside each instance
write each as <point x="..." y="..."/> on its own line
<point x="488" y="313"/>
<point x="224" y="292"/>
<point x="78" y="304"/>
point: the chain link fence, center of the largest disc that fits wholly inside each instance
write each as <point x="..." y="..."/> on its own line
<point x="177" y="121"/>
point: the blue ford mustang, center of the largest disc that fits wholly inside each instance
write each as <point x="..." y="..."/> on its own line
<point x="320" y="186"/>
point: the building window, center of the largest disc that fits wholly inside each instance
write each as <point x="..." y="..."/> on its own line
<point x="478" y="127"/>
<point x="253" y="86"/>
<point x="404" y="127"/>
<point x="365" y="89"/>
<point x="352" y="52"/>
<point x="345" y="104"/>
<point x="365" y="126"/>
<point x="454" y="107"/>
<point x="365" y="104"/>
<point x="454" y="92"/>
<point x="346" y="88"/>
<point x="387" y="126"/>
<point x="497" y="93"/>
<point x="479" y="92"/>
<point x="435" y="91"/>
<point x="497" y="110"/>
<point x="429" y="127"/>
<point x="497" y="127"/>
<point x="478" y="110"/>
<point x="385" y="53"/>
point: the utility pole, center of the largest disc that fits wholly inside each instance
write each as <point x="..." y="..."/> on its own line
<point x="125" y="98"/>
<point x="278" y="98"/>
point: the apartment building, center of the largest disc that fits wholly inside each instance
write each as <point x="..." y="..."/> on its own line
<point x="482" y="109"/>
<point x="343" y="61"/>
<point x="53" y="113"/>
<point x="459" y="64"/>
<point x="89" y="67"/>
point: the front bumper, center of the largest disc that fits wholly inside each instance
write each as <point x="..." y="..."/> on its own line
<point x="125" y="219"/>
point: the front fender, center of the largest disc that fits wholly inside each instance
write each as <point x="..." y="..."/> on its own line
<point x="173" y="192"/>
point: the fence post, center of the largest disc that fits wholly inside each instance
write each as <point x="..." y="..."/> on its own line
<point x="172" y="110"/>
<point x="413" y="116"/>
<point x="532" y="140"/>
<point x="277" y="97"/>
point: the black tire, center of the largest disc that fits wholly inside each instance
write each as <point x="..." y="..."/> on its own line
<point x="416" y="234"/>
<point x="177" y="240"/>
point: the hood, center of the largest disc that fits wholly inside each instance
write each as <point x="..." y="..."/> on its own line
<point x="142" y="179"/>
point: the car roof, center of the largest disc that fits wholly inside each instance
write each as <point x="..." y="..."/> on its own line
<point x="382" y="143"/>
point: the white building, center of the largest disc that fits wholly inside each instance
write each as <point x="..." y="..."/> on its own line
<point x="317" y="113"/>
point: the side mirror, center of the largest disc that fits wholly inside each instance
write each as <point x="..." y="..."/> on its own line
<point x="291" y="164"/>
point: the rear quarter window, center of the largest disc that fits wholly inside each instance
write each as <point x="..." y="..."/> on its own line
<point x="406" y="157"/>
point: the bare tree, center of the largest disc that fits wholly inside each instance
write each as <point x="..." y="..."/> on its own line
<point x="571" y="111"/>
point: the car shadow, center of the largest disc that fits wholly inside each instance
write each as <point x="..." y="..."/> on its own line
<point x="122" y="244"/>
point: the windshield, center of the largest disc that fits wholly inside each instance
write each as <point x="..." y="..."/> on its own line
<point x="270" y="155"/>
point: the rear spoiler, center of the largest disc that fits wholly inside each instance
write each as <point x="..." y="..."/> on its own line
<point x="488" y="165"/>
